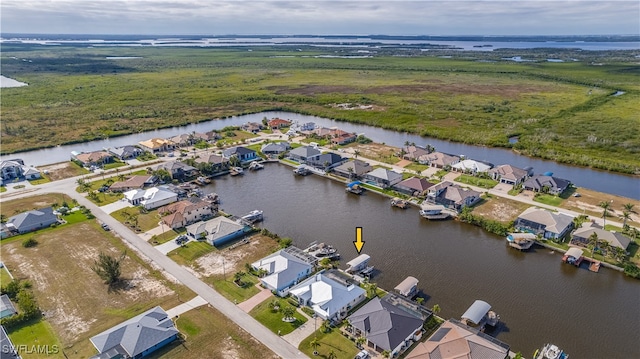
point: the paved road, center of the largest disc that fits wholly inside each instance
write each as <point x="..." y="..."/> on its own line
<point x="157" y="259"/>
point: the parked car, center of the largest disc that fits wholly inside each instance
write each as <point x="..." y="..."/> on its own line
<point x="106" y="227"/>
<point x="181" y="239"/>
<point x="362" y="355"/>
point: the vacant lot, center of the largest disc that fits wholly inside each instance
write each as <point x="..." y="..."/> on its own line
<point x="500" y="209"/>
<point x="63" y="170"/>
<point x="589" y="203"/>
<point x="74" y="300"/>
<point x="377" y="152"/>
<point x="13" y="207"/>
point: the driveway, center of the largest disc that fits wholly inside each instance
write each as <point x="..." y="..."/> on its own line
<point x="112" y="207"/>
<point x="167" y="247"/>
<point x="185" y="307"/>
<point x="252" y="302"/>
<point x="304" y="331"/>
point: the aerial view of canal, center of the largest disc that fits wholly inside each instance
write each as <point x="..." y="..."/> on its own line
<point x="539" y="299"/>
<point x="614" y="183"/>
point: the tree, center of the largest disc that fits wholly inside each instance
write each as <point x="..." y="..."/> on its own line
<point x="629" y="207"/>
<point x="326" y="326"/>
<point x="350" y="171"/>
<point x="237" y="278"/>
<point x="108" y="267"/>
<point x="625" y="217"/>
<point x="518" y="356"/>
<point x="315" y="344"/>
<point x="288" y="312"/>
<point x="3" y="218"/>
<point x="420" y="300"/>
<point x="593" y="242"/>
<point x="371" y="290"/>
<point x="332" y="355"/>
<point x="360" y="341"/>
<point x="435" y="309"/>
<point x="356" y="153"/>
<point x="385" y="353"/>
<point x="234" y="160"/>
<point x="274" y="305"/>
<point x="605" y="209"/>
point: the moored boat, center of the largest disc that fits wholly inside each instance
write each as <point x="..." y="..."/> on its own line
<point x="234" y="171"/>
<point x="550" y="351"/>
<point x="254" y="166"/>
<point x="400" y="203"/>
<point x="302" y="171"/>
<point x="253" y="216"/>
<point x="354" y="187"/>
<point x="433" y="212"/>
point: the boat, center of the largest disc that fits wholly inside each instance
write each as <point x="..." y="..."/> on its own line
<point x="253" y="216"/>
<point x="521" y="241"/>
<point x="354" y="187"/>
<point x="254" y="166"/>
<point x="323" y="251"/>
<point x="400" y="203"/>
<point x="302" y="171"/>
<point x="212" y="197"/>
<point x="202" y="180"/>
<point x="433" y="212"/>
<point x="234" y="171"/>
<point x="550" y="351"/>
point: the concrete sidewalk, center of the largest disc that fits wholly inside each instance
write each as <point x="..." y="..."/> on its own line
<point x="112" y="207"/>
<point x="185" y="307"/>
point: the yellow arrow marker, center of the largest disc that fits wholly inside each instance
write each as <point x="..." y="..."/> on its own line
<point x="359" y="243"/>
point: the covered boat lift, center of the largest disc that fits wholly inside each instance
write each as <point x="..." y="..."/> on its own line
<point x="480" y="314"/>
<point x="408" y="287"/>
<point x="358" y="264"/>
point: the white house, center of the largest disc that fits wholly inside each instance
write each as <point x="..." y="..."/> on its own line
<point x="471" y="166"/>
<point x="329" y="299"/>
<point x="283" y="271"/>
<point x="151" y="198"/>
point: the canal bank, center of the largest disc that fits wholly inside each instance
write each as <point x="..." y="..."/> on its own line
<point x="455" y="263"/>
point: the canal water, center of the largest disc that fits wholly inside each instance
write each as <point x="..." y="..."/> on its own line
<point x="539" y="299"/>
<point x="623" y="185"/>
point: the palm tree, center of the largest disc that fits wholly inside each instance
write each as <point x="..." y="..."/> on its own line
<point x="605" y="208"/>
<point x="288" y="312"/>
<point x="315" y="344"/>
<point x="3" y="218"/>
<point x="385" y="354"/>
<point x="593" y="242"/>
<point x="350" y="171"/>
<point x="274" y="305"/>
<point x="629" y="207"/>
<point x="332" y="355"/>
<point x="237" y="278"/>
<point x="356" y="153"/>
<point x="625" y="217"/>
<point x="326" y="326"/>
<point x="371" y="290"/>
<point x="435" y="309"/>
<point x="360" y="341"/>
<point x="420" y="300"/>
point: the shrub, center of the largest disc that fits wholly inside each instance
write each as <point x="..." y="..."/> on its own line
<point x="29" y="242"/>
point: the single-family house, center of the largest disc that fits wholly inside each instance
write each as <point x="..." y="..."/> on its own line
<point x="157" y="145"/>
<point x="322" y="132"/>
<point x="327" y="161"/>
<point x="217" y="162"/>
<point x="283" y="270"/>
<point x="385" y="326"/>
<point x="6" y="307"/>
<point x="471" y="166"/>
<point x="213" y="136"/>
<point x="241" y="153"/>
<point x="510" y="174"/>
<point x="199" y="136"/>
<point x="546" y="184"/>
<point x="178" y="169"/>
<point x="185" y="212"/>
<point x="544" y="223"/>
<point x="136" y="337"/>
<point x="275" y="149"/>
<point x="340" y="137"/>
<point x="329" y="297"/>
<point x="353" y="169"/>
<point x="33" y="220"/>
<point x="134" y="182"/>
<point x="125" y="152"/>
<point x="278" y="123"/>
<point x="383" y="177"/>
<point x="183" y="140"/>
<point x="95" y="158"/>
<point x="16" y="169"/>
<point x="456" y="340"/>
<point x="413" y="186"/>
<point x="151" y="198"/>
<point x="452" y="195"/>
<point x="252" y="127"/>
<point x="413" y="152"/>
<point x="614" y="239"/>
<point x="438" y="159"/>
<point x="8" y="350"/>
<point x="308" y="126"/>
<point x="217" y="231"/>
<point x="304" y="154"/>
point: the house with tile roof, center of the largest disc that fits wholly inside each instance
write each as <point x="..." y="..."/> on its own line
<point x="278" y="123"/>
<point x="284" y="270"/>
<point x="275" y="148"/>
<point x="329" y="298"/>
<point x="242" y="153"/>
<point x="178" y="169"/>
<point x="157" y="145"/>
<point x="217" y="162"/>
<point x="438" y="159"/>
<point x="340" y="137"/>
<point x="134" y="182"/>
<point x="413" y="152"/>
<point x="95" y="158"/>
<point x="383" y="177"/>
<point x="544" y="223"/>
<point x="33" y="220"/>
<point x="510" y="174"/>
<point x="217" y="231"/>
<point x="386" y="326"/>
<point x="252" y="127"/>
<point x="455" y="340"/>
<point x="125" y="152"/>
<point x="549" y="184"/>
<point x="137" y="337"/>
<point x="414" y="186"/>
<point x="183" y="213"/>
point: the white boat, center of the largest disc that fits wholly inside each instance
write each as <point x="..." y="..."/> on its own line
<point x="433" y="212"/>
<point x="234" y="171"/>
<point x="254" y="166"/>
<point x="253" y="216"/>
<point x="400" y="203"/>
<point x="302" y="171"/>
<point x="550" y="351"/>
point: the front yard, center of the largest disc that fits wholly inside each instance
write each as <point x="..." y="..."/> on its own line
<point x="37" y="332"/>
<point x="476" y="181"/>
<point x="137" y="218"/>
<point x="330" y="341"/>
<point x="273" y="319"/>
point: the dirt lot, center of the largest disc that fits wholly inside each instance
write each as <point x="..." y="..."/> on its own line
<point x="589" y="200"/>
<point x="500" y="209"/>
<point x="74" y="300"/>
<point x="377" y="151"/>
<point x="62" y="170"/>
<point x="210" y="265"/>
<point x="16" y="206"/>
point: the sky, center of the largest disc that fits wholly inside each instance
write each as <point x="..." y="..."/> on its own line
<point x="391" y="17"/>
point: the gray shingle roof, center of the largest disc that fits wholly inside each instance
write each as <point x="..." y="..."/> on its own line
<point x="306" y="151"/>
<point x="32" y="218"/>
<point x="138" y="333"/>
<point x="384" y="324"/>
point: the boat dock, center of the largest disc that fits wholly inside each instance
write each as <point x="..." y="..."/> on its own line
<point x="521" y="241"/>
<point x="400" y="203"/>
<point x="574" y="256"/>
<point x="354" y="187"/>
<point x="408" y="287"/>
<point x="479" y="315"/>
<point x="359" y="264"/>
<point x="434" y="212"/>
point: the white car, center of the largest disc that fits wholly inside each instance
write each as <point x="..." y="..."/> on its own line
<point x="362" y="355"/>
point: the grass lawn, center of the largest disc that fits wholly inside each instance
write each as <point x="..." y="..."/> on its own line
<point x="78" y="303"/>
<point x="273" y="320"/>
<point x="146" y="221"/>
<point x="4" y="276"/>
<point x="167" y="236"/>
<point x="239" y="138"/>
<point x="333" y="340"/>
<point x="13" y="207"/>
<point x="190" y="252"/>
<point x="36" y="332"/>
<point x="232" y="292"/>
<point x="290" y="162"/>
<point x="3" y="189"/>
<point x="476" y="181"/>
<point x="209" y="334"/>
<point x="104" y="198"/>
<point x="113" y="165"/>
<point x="548" y="199"/>
<point x="386" y="191"/>
<point x="416" y="167"/>
<point x="44" y="179"/>
<point x="75" y="217"/>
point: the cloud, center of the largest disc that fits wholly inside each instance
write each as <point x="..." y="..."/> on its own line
<point x="320" y="17"/>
